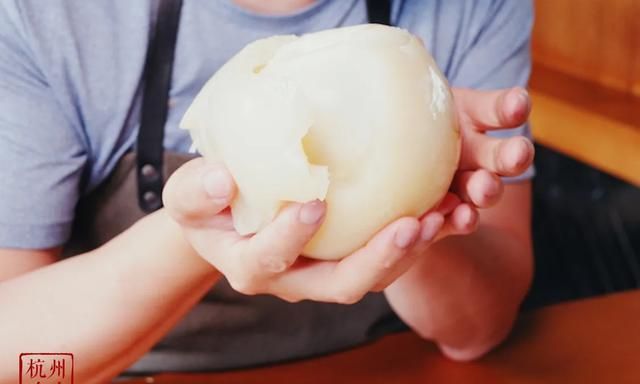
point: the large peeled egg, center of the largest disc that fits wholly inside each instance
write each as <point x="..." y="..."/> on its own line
<point x="358" y="116"/>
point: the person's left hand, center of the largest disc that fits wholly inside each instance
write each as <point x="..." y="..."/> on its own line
<point x="483" y="159"/>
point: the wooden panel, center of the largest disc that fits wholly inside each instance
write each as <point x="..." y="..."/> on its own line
<point x="578" y="133"/>
<point x="591" y="341"/>
<point x="636" y="69"/>
<point x="590" y="123"/>
<point x="598" y="40"/>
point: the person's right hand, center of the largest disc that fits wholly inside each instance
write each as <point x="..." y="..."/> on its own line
<point x="197" y="196"/>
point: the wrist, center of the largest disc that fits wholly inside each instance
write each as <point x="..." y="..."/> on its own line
<point x="182" y="248"/>
<point x="156" y="246"/>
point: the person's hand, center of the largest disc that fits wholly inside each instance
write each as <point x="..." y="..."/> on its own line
<point x="197" y="195"/>
<point x="477" y="183"/>
<point x="269" y="262"/>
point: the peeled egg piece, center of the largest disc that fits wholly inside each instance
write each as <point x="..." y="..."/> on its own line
<point x="358" y="116"/>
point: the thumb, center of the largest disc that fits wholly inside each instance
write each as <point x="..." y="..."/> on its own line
<point x="197" y="191"/>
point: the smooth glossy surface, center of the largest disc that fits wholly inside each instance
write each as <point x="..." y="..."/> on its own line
<point x="359" y="116"/>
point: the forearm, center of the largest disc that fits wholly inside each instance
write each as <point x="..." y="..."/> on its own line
<point x="466" y="291"/>
<point x="107" y="307"/>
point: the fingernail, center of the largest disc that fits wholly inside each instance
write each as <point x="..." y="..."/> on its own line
<point x="431" y="227"/>
<point x="217" y="184"/>
<point x="406" y="234"/>
<point x="520" y="153"/>
<point x="522" y="106"/>
<point x="469" y="220"/>
<point x="311" y="212"/>
<point x="524" y="98"/>
<point x="491" y="187"/>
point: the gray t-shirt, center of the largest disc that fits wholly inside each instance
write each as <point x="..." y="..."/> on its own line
<point x="70" y="75"/>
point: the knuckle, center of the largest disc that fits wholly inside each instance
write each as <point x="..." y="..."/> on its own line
<point x="273" y="264"/>
<point x="496" y="156"/>
<point x="388" y="263"/>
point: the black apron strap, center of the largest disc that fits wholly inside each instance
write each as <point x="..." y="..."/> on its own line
<point x="379" y="11"/>
<point x="157" y="75"/>
<point x="157" y="82"/>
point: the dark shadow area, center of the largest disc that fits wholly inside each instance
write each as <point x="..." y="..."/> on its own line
<point x="586" y="231"/>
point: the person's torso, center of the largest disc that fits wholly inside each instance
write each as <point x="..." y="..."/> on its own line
<point x="93" y="55"/>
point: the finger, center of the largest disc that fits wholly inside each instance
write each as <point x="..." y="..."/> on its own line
<point x="358" y="273"/>
<point x="277" y="246"/>
<point x="197" y="191"/>
<point x="448" y="204"/>
<point x="481" y="188"/>
<point x="487" y="110"/>
<point x="462" y="221"/>
<point x="505" y="157"/>
<point x="430" y="226"/>
<point x="223" y="222"/>
<point x="348" y="280"/>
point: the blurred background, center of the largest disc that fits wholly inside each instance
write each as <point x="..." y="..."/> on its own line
<point x="585" y="87"/>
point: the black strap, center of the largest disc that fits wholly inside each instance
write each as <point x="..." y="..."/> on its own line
<point x="379" y="11"/>
<point x="157" y="82"/>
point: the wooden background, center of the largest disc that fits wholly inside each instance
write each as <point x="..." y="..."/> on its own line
<point x="585" y="83"/>
<point x="586" y="107"/>
<point x="596" y="40"/>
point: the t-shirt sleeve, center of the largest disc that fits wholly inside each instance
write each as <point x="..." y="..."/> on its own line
<point x="498" y="56"/>
<point x="42" y="156"/>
